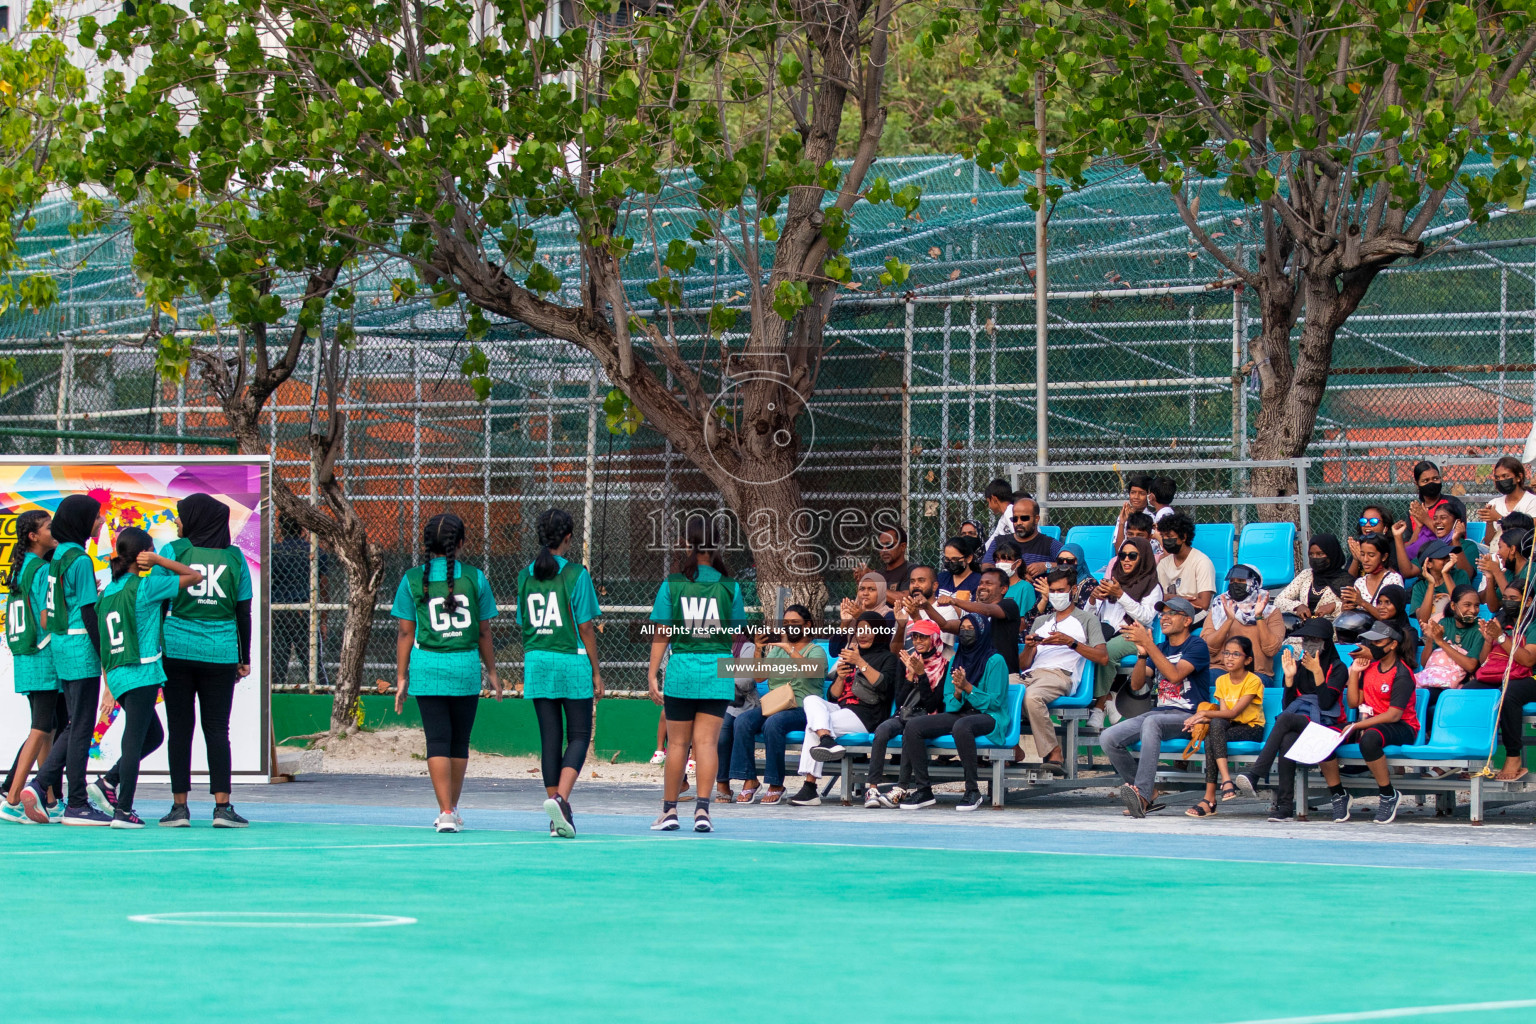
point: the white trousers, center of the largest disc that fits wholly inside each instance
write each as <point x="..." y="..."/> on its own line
<point x="823" y="714"/>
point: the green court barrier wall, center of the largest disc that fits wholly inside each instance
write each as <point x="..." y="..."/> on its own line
<point x="624" y="727"/>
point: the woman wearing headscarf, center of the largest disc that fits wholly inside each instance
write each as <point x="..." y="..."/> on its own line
<point x="920" y="693"/>
<point x="869" y="597"/>
<point x="1392" y="608"/>
<point x="975" y="706"/>
<point x="207" y="651"/>
<point x="1318" y="589"/>
<point x="75" y="641"/>
<point x="1130" y="593"/>
<point x="1073" y="559"/>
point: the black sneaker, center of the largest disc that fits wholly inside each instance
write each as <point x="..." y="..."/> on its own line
<point x="1341" y="805"/>
<point x="85" y="814"/>
<point x="126" y="819"/>
<point x="1386" y="809"/>
<point x="971" y="801"/>
<point x="102" y="795"/>
<point x="922" y="796"/>
<point x="827" y="749"/>
<point x="1281" y="812"/>
<point x="807" y="797"/>
<point x="225" y="816"/>
<point x="560" y="817"/>
<point x="179" y="817"/>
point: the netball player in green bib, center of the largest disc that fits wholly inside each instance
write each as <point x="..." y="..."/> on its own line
<point x="31" y="658"/>
<point x="129" y="615"/>
<point x="207" y="650"/>
<point x="444" y="608"/>
<point x="556" y="606"/>
<point x="701" y="607"/>
<point x="70" y="603"/>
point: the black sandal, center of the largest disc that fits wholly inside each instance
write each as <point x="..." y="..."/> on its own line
<point x="1228" y="791"/>
<point x="1199" y="810"/>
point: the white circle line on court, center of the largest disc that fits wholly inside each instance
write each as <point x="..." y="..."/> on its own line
<point x="1398" y="1013"/>
<point x="271" y="919"/>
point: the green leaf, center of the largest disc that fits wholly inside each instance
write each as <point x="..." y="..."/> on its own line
<point x="10" y="374"/>
<point x="790" y="297"/>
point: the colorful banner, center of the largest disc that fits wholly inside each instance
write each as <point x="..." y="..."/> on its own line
<point x="143" y="493"/>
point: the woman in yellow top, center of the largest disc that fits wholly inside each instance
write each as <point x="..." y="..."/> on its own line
<point x="1238" y="718"/>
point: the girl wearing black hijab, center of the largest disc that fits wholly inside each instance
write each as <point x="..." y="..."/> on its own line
<point x="207" y="650"/>
<point x="75" y="642"/>
<point x="1392" y="608"/>
<point x="1319" y="588"/>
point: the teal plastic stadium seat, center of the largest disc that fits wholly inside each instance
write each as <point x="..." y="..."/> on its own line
<point x="1463" y="725"/>
<point x="1477" y="530"/>
<point x="1082" y="690"/>
<point x="1051" y="531"/>
<point x="1097" y="542"/>
<point x="1215" y="540"/>
<point x="1011" y="739"/>
<point x="1421" y="708"/>
<point x="1274" y="698"/>
<point x="1269" y="548"/>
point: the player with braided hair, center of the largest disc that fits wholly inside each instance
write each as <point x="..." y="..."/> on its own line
<point x="556" y="608"/>
<point x="444" y="608"/>
<point x="31" y="657"/>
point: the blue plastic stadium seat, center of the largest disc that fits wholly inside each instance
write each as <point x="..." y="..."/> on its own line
<point x="848" y="739"/>
<point x="1215" y="540"/>
<point x="790" y="737"/>
<point x="1269" y="548"/>
<point x="1463" y="725"/>
<point x="1421" y="708"/>
<point x="1082" y="690"/>
<point x="1529" y="709"/>
<point x="1097" y="542"/>
<point x="1010" y="739"/>
<point x="1051" y="531"/>
<point x="1477" y="530"/>
<point x="1274" y="698"/>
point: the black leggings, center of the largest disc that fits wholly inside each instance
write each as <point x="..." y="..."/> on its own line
<point x="964" y="727"/>
<point x="447" y="722"/>
<point x="1372" y="740"/>
<point x="212" y="687"/>
<point x="1511" y="716"/>
<point x="884" y="733"/>
<point x="71" y="751"/>
<point x="142" y="735"/>
<point x="1222" y="731"/>
<point x="576" y="734"/>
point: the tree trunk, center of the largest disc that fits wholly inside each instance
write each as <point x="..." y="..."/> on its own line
<point x="768" y="515"/>
<point x="363" y="572"/>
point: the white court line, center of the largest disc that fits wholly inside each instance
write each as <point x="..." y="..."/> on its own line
<point x="1397" y="1013"/>
<point x="270" y="919"/>
<point x="281" y="849"/>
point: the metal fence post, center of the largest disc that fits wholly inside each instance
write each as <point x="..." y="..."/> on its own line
<point x="1303" y="517"/>
<point x="66" y="381"/>
<point x="588" y="484"/>
<point x="906" y="420"/>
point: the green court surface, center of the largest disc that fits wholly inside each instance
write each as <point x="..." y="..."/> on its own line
<point x="513" y="926"/>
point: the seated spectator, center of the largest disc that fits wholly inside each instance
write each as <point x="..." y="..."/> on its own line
<point x="1439" y="577"/>
<point x="1509" y="479"/>
<point x="1507" y="576"/>
<point x="1455" y="645"/>
<point x="1072" y="559"/>
<point x="1181" y="666"/>
<point x="1129" y="593"/>
<point x="891" y="550"/>
<point x="746" y="646"/>
<point x="1375" y="521"/>
<point x="751" y="722"/>
<point x="1186" y="572"/>
<point x="1138" y="526"/>
<point x="1054" y="650"/>
<point x="999" y="613"/>
<point x="1507" y="662"/>
<point x="1392" y="608"/>
<point x="1036" y="549"/>
<point x="1317" y="589"/>
<point x="919" y="692"/>
<point x="1449" y="525"/>
<point x="1381" y="686"/>
<point x="1371" y="554"/>
<point x="975" y="706"/>
<point x="922" y="591"/>
<point x="1138" y="491"/>
<point x="1238" y="718"/>
<point x="1244" y="610"/>
<point x="970" y="528"/>
<point x="1161" y="495"/>
<point x="1314" y="692"/>
<point x="1021" y="590"/>
<point x="869" y="597"/>
<point x="859" y="699"/>
<point x="1426" y="475"/>
<point x="960" y="565"/>
<point x="999" y="495"/>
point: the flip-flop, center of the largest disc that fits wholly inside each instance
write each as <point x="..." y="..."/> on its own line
<point x="770" y="800"/>
<point x="1135" y="803"/>
<point x="1523" y="773"/>
<point x="1199" y="810"/>
<point x="746" y="796"/>
<point x="1151" y="808"/>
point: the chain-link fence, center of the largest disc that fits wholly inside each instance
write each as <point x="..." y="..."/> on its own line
<point x="921" y="399"/>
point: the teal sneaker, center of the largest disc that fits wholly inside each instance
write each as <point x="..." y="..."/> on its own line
<point x="56" y="812"/>
<point x="13" y="814"/>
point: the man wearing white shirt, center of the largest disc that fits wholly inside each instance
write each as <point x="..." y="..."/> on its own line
<point x="1054" y="651"/>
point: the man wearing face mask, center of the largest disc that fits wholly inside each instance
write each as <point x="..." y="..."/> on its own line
<point x="1185" y="571"/>
<point x="1381" y="686"/>
<point x="1181" y="668"/>
<point x="1244" y="610"/>
<point x="1036" y="549"/>
<point x="1054" y="651"/>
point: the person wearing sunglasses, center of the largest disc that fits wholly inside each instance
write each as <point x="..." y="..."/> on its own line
<point x="1128" y="593"/>
<point x="1036" y="550"/>
<point x="1374" y="521"/>
<point x="1074" y="560"/>
<point x="891" y="551"/>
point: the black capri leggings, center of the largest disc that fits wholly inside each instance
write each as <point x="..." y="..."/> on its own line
<point x="1372" y="740"/>
<point x="447" y="722"/>
<point x="577" y="734"/>
<point x="141" y="735"/>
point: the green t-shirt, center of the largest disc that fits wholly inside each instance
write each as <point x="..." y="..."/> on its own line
<point x="813" y="682"/>
<point x="1469" y="639"/>
<point x="1420" y="585"/>
<point x="142" y="627"/>
<point x="201" y="626"/>
<point x="709" y="603"/>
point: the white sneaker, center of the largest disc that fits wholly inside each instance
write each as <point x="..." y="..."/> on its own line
<point x="1096" y="718"/>
<point x="1112" y="715"/>
<point x="446" y="822"/>
<point x="660" y="757"/>
<point x="457" y="818"/>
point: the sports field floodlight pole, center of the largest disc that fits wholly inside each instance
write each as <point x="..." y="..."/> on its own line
<point x="1042" y="453"/>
